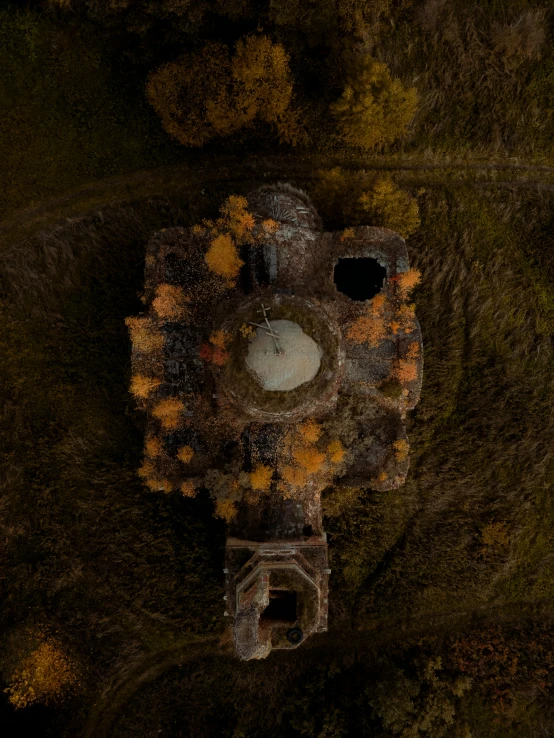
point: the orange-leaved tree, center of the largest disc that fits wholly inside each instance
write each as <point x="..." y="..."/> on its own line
<point x="206" y="93"/>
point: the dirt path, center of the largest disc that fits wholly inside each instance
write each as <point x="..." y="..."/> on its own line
<point x="171" y="180"/>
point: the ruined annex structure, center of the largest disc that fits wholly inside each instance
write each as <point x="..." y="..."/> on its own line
<point x="269" y="373"/>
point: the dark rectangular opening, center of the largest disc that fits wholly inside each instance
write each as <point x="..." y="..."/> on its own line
<point x="282" y="606"/>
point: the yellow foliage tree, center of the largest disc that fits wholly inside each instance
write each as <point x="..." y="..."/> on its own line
<point x="223" y="258"/>
<point x="374" y="108"/>
<point x="146" y="470"/>
<point x="145" y="335"/>
<point x="170" y="302"/>
<point x="142" y="387"/>
<point x="294" y="475"/>
<point x="263" y="86"/>
<point x="388" y="206"/>
<point x="168" y="412"/>
<point x="158" y="484"/>
<point x="310" y="430"/>
<point x="44" y="676"/>
<point x="309" y="458"/>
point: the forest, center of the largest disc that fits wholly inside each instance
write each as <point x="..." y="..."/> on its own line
<point x="434" y="118"/>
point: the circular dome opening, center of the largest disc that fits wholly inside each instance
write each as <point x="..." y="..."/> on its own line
<point x="359" y="278"/>
<point x="283" y="357"/>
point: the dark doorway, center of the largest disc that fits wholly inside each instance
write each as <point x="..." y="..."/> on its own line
<point x="282" y="606"/>
<point x="359" y="279"/>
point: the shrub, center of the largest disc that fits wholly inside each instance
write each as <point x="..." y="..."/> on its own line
<point x="391" y="388"/>
<point x="170" y="302"/>
<point x="168" y="412"/>
<point x="374" y="108"/>
<point x="407" y="281"/>
<point x="220" y="339"/>
<point x="406" y="369"/>
<point x="495" y="534"/>
<point x="401" y="448"/>
<point x="346" y="199"/>
<point x="44" y="676"/>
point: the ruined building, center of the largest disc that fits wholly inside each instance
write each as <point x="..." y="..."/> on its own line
<point x="274" y="360"/>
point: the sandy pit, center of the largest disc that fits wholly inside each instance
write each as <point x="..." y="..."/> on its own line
<point x="298" y="363"/>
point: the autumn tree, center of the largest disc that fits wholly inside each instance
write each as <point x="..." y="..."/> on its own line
<point x="389" y="206"/>
<point x="207" y="93"/>
<point x="222" y="257"/>
<point x="170" y="302"/>
<point x="45" y="675"/>
<point x="145" y="335"/>
<point x="142" y="387"/>
<point x="374" y="108"/>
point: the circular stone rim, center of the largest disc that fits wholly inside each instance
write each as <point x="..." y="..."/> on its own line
<point x="237" y="381"/>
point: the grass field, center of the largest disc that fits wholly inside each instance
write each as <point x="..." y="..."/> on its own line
<point x="457" y="563"/>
